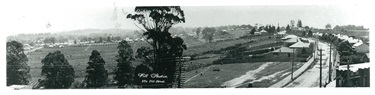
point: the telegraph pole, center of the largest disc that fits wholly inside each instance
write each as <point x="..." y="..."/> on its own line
<point x="292" y="65"/>
<point x="347" y="72"/>
<point x="320" y="74"/>
<point x="330" y="63"/>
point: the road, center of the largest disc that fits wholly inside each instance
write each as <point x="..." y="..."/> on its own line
<point x="311" y="77"/>
<point x="197" y="74"/>
<point x="33" y="50"/>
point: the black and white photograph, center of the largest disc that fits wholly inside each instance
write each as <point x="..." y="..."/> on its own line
<point x="119" y="45"/>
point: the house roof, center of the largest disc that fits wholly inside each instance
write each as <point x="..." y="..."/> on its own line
<point x="289" y="37"/>
<point x="357" y="44"/>
<point x="363" y="48"/>
<point x="354" y="67"/>
<point x="283" y="50"/>
<point x="300" y="45"/>
<point x="263" y="31"/>
<point x="281" y="32"/>
<point x="291" y="40"/>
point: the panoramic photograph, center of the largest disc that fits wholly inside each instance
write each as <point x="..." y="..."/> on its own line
<point x="142" y="47"/>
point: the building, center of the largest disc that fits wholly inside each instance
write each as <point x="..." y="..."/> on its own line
<point x="362" y="48"/>
<point x="282" y="51"/>
<point x="358" y="75"/>
<point x="281" y="34"/>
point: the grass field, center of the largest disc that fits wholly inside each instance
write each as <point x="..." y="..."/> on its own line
<point x="214" y="79"/>
<point x="209" y="58"/>
<point x="220" y="45"/>
<point x="78" y="57"/>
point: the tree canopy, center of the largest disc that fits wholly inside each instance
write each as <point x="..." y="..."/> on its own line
<point x="97" y="75"/>
<point x="208" y="33"/>
<point x="124" y="71"/>
<point x="328" y="26"/>
<point x="299" y="23"/>
<point x="58" y="72"/>
<point x="198" y="31"/>
<point x="17" y="68"/>
<point x="252" y="31"/>
<point x="156" y="22"/>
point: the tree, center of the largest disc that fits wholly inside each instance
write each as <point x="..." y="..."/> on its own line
<point x="310" y="34"/>
<point x="58" y="72"/>
<point x="124" y="71"/>
<point x="117" y="38"/>
<point x="96" y="73"/>
<point x="156" y="22"/>
<point x="100" y="39"/>
<point x="142" y="68"/>
<point x="307" y="27"/>
<point x="17" y="68"/>
<point x="252" y="31"/>
<point x="146" y="55"/>
<point x="109" y="39"/>
<point x="198" y="31"/>
<point x="299" y="23"/>
<point x="260" y="28"/>
<point x="288" y="28"/>
<point x="328" y="26"/>
<point x="208" y="34"/>
<point x="304" y="33"/>
<point x="51" y="40"/>
<point x="278" y="29"/>
<point x="273" y="29"/>
<point x="292" y="23"/>
<point x="32" y="43"/>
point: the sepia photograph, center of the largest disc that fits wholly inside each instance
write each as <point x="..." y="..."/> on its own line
<point x="113" y="45"/>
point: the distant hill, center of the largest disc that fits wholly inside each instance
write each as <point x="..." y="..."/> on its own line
<point x="76" y="33"/>
<point x="94" y="32"/>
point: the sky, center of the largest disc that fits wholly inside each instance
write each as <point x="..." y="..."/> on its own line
<point x="28" y="18"/>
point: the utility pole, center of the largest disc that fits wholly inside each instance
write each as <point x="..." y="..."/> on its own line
<point x="348" y="74"/>
<point x="330" y="63"/>
<point x="320" y="74"/>
<point x="292" y="65"/>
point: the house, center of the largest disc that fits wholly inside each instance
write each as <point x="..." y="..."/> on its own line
<point x="302" y="48"/>
<point x="281" y="34"/>
<point x="290" y="41"/>
<point x="359" y="75"/>
<point x="289" y="37"/>
<point x="365" y="57"/>
<point x="283" y="50"/>
<point x="257" y="33"/>
<point x="263" y="31"/>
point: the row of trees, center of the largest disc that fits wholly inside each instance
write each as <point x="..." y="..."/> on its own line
<point x="299" y="23"/>
<point x="307" y="33"/>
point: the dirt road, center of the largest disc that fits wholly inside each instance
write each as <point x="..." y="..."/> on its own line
<point x="311" y="77"/>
